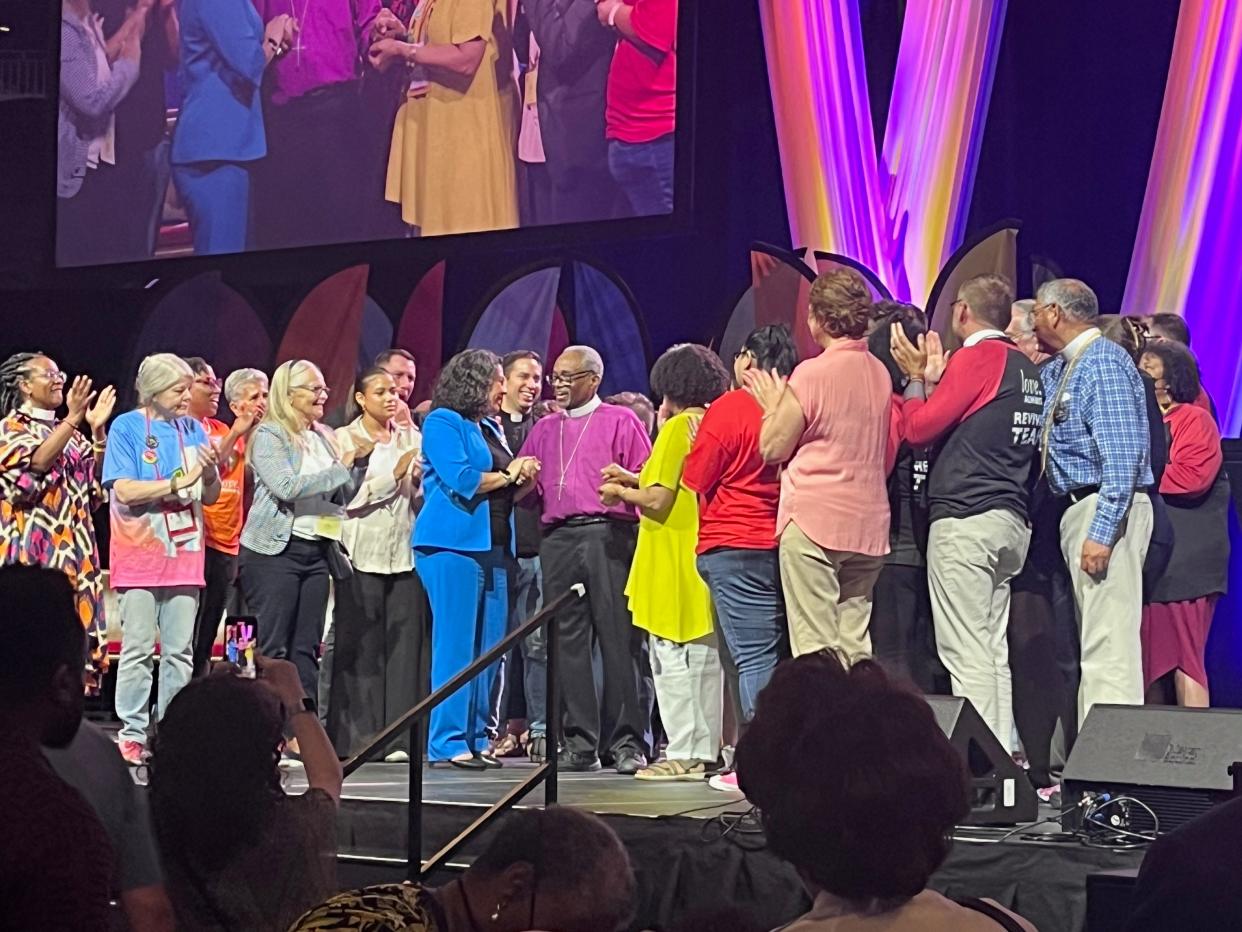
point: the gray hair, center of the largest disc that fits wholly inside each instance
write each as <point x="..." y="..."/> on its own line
<point x="1026" y="311"/>
<point x="1072" y="296"/>
<point x="592" y="361"/>
<point x="238" y="380"/>
<point x="158" y="373"/>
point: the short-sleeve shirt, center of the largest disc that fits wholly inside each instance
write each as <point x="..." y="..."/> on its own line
<point x="834" y="486"/>
<point x="146" y="550"/>
<point x="666" y="594"/>
<point x="740" y="492"/>
<point x="224" y="518"/>
<point x="92" y="766"/>
<point x="642" y="92"/>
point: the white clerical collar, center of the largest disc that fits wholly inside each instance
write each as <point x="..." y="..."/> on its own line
<point x="980" y="335"/>
<point x="515" y="417"/>
<point x="39" y="414"/>
<point x="1079" y="343"/>
<point x="584" y="409"/>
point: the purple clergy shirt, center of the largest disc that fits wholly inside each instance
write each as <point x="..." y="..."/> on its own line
<point x="580" y="448"/>
<point x="335" y="36"/>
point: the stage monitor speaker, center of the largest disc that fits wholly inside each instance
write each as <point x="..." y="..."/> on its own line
<point x="1000" y="791"/>
<point x="1177" y="761"/>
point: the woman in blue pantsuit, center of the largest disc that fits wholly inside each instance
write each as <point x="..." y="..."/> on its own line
<point x="225" y="49"/>
<point x="463" y="545"/>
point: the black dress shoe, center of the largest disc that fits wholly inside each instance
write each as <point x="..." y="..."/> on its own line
<point x="490" y="760"/>
<point x="573" y="762"/>
<point x="629" y="761"/>
<point x="469" y="763"/>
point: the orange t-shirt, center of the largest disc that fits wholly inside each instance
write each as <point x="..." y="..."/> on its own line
<point x="224" y="519"/>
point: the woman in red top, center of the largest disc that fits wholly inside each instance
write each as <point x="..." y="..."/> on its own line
<point x="1179" y="614"/>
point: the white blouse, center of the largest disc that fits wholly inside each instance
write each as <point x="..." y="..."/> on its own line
<point x="316" y="516"/>
<point x="379" y="522"/>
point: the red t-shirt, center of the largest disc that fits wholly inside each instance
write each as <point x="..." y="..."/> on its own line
<point x="642" y="89"/>
<point x="739" y="491"/>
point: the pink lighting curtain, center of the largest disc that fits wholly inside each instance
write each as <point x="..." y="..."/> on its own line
<point x="1187" y="253"/>
<point x="903" y="214"/>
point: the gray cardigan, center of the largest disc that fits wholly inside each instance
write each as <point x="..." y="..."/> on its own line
<point x="85" y="103"/>
<point x="275" y="459"/>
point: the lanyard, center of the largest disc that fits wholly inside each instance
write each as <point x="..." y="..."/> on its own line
<point x="1045" y="441"/>
<point x="150" y="454"/>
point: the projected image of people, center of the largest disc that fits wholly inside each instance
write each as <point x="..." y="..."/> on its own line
<point x="214" y="127"/>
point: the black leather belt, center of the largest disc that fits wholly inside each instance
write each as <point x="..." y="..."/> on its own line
<point x="1077" y="495"/>
<point x="582" y="521"/>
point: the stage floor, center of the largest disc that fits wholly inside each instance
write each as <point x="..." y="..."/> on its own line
<point x="604" y="792"/>
<point x="691" y="852"/>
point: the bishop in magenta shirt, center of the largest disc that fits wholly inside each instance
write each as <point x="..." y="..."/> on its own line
<point x="573" y="447"/>
<point x="330" y="47"/>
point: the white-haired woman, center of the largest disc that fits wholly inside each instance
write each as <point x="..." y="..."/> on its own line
<point x="291" y="539"/>
<point x="246" y="394"/>
<point x="161" y="469"/>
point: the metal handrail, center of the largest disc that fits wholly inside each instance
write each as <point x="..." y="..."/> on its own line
<point x="545" y="773"/>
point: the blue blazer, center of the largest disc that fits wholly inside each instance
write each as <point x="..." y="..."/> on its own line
<point x="455" y="456"/>
<point x="222" y="65"/>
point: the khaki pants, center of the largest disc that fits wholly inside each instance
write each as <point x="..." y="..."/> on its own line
<point x="970" y="562"/>
<point x="1109" y="607"/>
<point x="827" y="596"/>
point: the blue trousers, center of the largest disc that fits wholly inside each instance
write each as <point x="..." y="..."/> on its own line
<point x="217" y="201"/>
<point x="750" y="613"/>
<point x="469" y="596"/>
<point x="644" y="172"/>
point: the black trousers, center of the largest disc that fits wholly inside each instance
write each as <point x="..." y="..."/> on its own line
<point x="598" y="555"/>
<point x="288" y="594"/>
<point x="902" y="637"/>
<point x="381" y="665"/>
<point x="305" y="190"/>
<point x="219" y="574"/>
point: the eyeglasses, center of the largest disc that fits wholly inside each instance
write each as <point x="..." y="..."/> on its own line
<point x="315" y="390"/>
<point x="209" y="383"/>
<point x="568" y="378"/>
<point x="52" y="375"/>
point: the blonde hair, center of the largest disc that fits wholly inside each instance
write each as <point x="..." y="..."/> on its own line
<point x="158" y="373"/>
<point x="279" y="409"/>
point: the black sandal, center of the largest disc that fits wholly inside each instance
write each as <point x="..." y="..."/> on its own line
<point x="474" y="762"/>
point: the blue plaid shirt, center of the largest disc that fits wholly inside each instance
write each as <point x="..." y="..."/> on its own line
<point x="1100" y="436"/>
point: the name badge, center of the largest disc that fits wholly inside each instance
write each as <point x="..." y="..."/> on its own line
<point x="181" y="526"/>
<point x="328" y="526"/>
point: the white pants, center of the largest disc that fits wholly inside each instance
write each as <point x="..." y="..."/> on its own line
<point x="1109" y="607"/>
<point x="689" y="686"/>
<point x="970" y="562"/>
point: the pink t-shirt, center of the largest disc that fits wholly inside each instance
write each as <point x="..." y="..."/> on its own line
<point x="833" y="486"/>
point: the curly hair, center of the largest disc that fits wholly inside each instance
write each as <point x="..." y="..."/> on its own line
<point x="1181" y="372"/>
<point x="689" y="375"/>
<point x="207" y="806"/>
<point x="12" y="371"/>
<point x="866" y="816"/>
<point x="772" y="347"/>
<point x="879" y="342"/>
<point x="465" y="383"/>
<point x="841" y="303"/>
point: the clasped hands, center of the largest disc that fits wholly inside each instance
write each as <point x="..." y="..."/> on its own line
<point x="616" y="480"/>
<point x="387" y="39"/>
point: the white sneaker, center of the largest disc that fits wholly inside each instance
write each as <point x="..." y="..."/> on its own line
<point x="725" y="782"/>
<point x="397" y="757"/>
